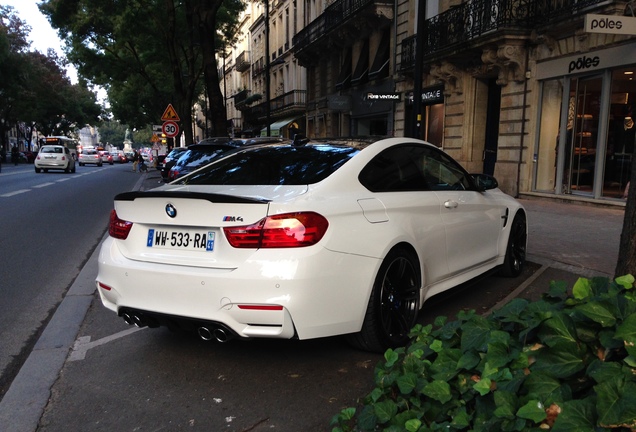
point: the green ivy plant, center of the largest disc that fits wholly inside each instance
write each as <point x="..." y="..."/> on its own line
<point x="564" y="363"/>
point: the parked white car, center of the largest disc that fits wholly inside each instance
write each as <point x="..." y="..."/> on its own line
<point x="54" y="157"/>
<point x="307" y="240"/>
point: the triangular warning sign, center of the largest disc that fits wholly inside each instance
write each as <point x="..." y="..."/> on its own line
<point x="170" y="114"/>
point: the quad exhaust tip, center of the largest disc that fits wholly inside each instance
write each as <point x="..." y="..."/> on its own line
<point x="217" y="334"/>
<point x="134" y="319"/>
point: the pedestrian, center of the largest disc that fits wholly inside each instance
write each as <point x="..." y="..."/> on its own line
<point x="140" y="161"/>
<point x="135" y="161"/>
<point x="15" y="155"/>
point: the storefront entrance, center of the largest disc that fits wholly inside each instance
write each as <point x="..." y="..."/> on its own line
<point x="585" y="141"/>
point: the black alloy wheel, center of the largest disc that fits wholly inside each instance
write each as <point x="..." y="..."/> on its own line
<point x="394" y="304"/>
<point x="516" y="249"/>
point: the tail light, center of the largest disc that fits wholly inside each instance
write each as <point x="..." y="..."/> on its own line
<point x="118" y="228"/>
<point x="281" y="231"/>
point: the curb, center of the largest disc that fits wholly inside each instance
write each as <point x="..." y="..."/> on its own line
<point x="24" y="403"/>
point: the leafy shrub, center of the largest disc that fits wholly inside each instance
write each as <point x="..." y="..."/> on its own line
<point x="564" y="363"/>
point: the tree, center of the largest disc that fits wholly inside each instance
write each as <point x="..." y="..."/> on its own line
<point x="212" y="40"/>
<point x="112" y="132"/>
<point x="35" y="90"/>
<point x="146" y="53"/>
<point x="13" y="45"/>
<point x="627" y="248"/>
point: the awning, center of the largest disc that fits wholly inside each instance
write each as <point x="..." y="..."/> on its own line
<point x="361" y="73"/>
<point x="380" y="66"/>
<point x="344" y="79"/>
<point x="275" y="128"/>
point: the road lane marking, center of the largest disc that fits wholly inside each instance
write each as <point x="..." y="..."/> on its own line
<point x="10" y="194"/>
<point x="43" y="185"/>
<point x="83" y="343"/>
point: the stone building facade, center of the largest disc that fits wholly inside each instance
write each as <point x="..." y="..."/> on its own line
<point x="525" y="90"/>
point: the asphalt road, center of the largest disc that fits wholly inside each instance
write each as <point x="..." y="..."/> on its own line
<point x="49" y="225"/>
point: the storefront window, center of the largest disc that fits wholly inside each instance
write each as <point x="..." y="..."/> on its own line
<point x="580" y="149"/>
<point x="621" y="133"/>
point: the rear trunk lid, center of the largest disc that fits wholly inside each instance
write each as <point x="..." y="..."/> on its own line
<point x="183" y="226"/>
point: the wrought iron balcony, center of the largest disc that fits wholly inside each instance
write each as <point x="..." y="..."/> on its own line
<point x="477" y="22"/>
<point x="243" y="61"/>
<point x="240" y="96"/>
<point x="332" y="25"/>
<point x="258" y="67"/>
<point x="292" y="102"/>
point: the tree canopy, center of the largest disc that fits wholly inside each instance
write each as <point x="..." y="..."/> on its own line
<point x="35" y="89"/>
<point x="148" y="53"/>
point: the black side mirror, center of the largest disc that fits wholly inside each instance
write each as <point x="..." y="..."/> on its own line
<point x="485" y="182"/>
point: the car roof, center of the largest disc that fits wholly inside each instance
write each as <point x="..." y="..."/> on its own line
<point x="212" y="140"/>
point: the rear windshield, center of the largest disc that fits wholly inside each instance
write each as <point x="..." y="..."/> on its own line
<point x="274" y="165"/>
<point x="52" y="150"/>
<point x="195" y="157"/>
<point x="89" y="152"/>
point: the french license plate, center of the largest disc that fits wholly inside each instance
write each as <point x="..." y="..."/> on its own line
<point x="197" y="240"/>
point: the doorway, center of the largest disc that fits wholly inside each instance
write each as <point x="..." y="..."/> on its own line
<point x="582" y="133"/>
<point x="492" y="126"/>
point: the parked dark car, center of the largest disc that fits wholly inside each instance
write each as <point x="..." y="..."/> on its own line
<point x="27" y="156"/>
<point x="198" y="155"/>
<point x="169" y="160"/>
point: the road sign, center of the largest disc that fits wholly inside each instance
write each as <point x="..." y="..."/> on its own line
<point x="170" y="129"/>
<point x="155" y="138"/>
<point x="170" y="114"/>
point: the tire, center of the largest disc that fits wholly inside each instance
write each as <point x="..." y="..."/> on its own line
<point x="516" y="250"/>
<point x="81" y="164"/>
<point x="37" y="170"/>
<point x="394" y="304"/>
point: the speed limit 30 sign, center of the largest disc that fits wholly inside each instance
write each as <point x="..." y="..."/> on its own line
<point x="170" y="129"/>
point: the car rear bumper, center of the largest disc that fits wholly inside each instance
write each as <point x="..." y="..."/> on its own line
<point x="276" y="294"/>
<point x="51" y="165"/>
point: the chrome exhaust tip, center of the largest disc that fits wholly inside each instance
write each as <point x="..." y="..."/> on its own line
<point x="205" y="333"/>
<point x="221" y="335"/>
<point x="139" y="321"/>
<point x="127" y="318"/>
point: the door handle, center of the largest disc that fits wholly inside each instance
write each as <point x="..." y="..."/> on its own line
<point x="450" y="204"/>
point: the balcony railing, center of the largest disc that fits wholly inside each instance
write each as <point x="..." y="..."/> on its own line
<point x="294" y="101"/>
<point x="478" y="18"/>
<point x="333" y="17"/>
<point x="243" y="61"/>
<point x="240" y="96"/>
<point x="258" y="67"/>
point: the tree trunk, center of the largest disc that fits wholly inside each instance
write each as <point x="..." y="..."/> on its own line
<point x="218" y="118"/>
<point x="627" y="250"/>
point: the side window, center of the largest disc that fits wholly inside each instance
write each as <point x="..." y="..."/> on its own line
<point x="442" y="173"/>
<point x="413" y="167"/>
<point x="397" y="169"/>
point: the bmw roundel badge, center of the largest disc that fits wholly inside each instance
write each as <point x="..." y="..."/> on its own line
<point x="171" y="210"/>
